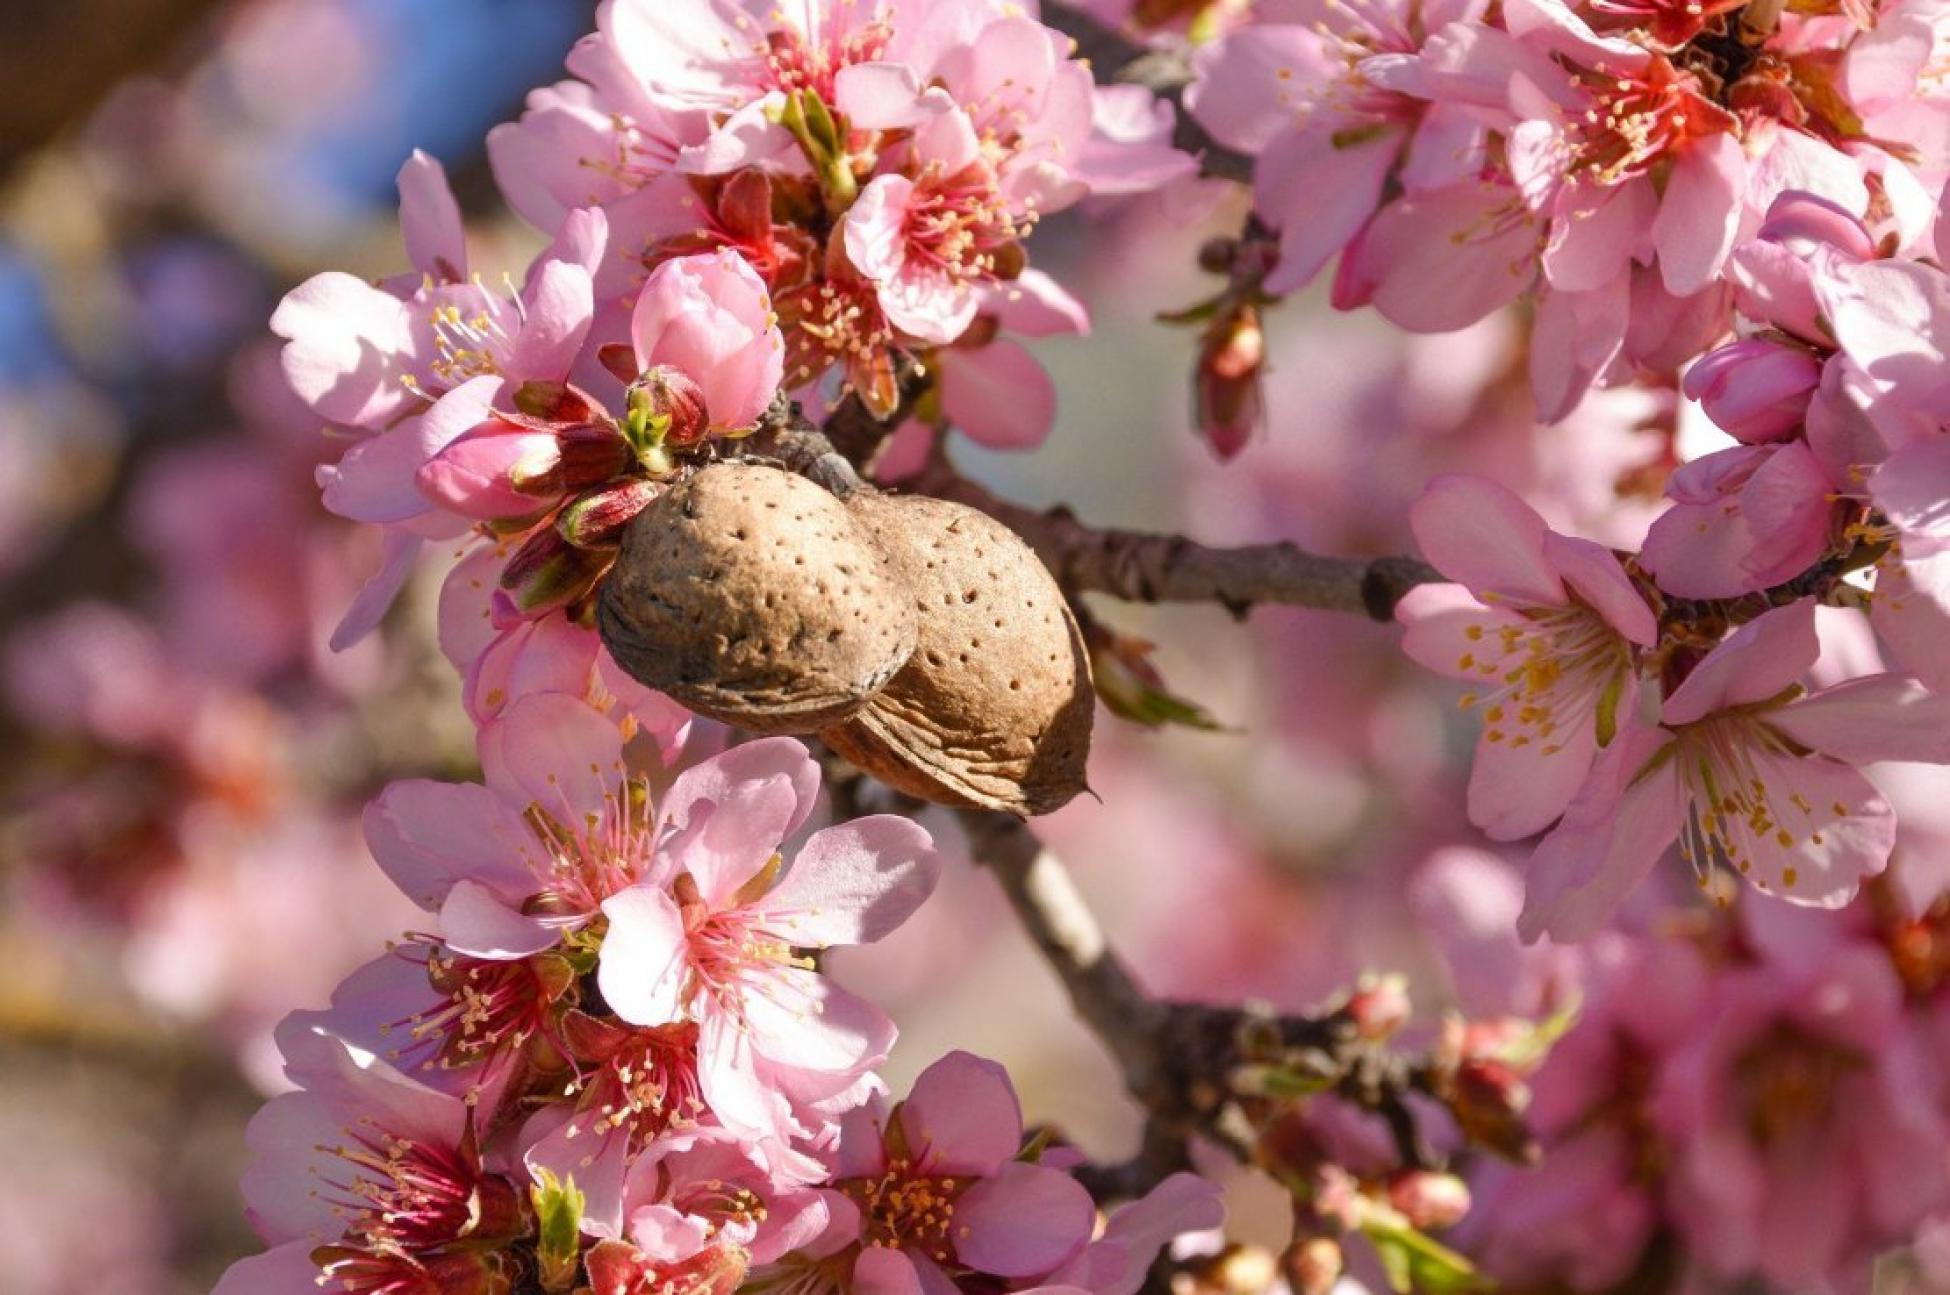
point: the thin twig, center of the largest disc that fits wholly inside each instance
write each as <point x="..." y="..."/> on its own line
<point x="1183" y="1062"/>
<point x="1141" y="566"/>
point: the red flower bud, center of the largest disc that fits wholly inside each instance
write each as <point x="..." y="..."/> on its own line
<point x="1429" y="1200"/>
<point x="596" y="519"/>
<point x="1228" y="404"/>
<point x="548" y="572"/>
<point x="582" y="456"/>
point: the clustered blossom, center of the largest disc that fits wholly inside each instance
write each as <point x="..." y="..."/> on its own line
<point x="1758" y="1099"/>
<point x="611" y="1018"/>
<point x="1830" y="491"/>
<point x="606" y="1058"/>
<point x="1604" y="159"/>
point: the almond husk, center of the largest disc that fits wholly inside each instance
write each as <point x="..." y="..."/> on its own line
<point x="751" y="596"/>
<point x="995" y="707"/>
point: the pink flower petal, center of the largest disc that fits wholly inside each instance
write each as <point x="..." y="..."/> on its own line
<point x="1480" y="534"/>
<point x="645" y="956"/>
<point x="1614" y="830"/>
<point x="1759" y="660"/>
<point x="474" y="921"/>
<point x="854" y="883"/>
<point x="555" y="752"/>
<point x="1870" y="720"/>
<point x="997" y="395"/>
<point x="1023" y="1220"/>
<point x="436" y="239"/>
<point x="1699" y="214"/>
<point x="962" y="1114"/>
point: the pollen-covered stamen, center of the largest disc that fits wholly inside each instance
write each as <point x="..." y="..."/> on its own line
<point x="411" y="1196"/>
<point x="1638" y="118"/>
<point x="906" y="1208"/>
<point x="1561" y="667"/>
<point x="473" y="343"/>
<point x="490" y="1008"/>
<point x="797" y="60"/>
<point x="1731" y="768"/>
<point x="721" y="1204"/>
<point x="579" y="864"/>
<point x="642" y="1079"/>
<point x="731" y="948"/>
<point x="963" y="229"/>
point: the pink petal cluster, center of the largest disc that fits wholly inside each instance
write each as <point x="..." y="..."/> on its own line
<point x="615" y="995"/>
<point x="1750" y="772"/>
<point x="921" y="141"/>
<point x="1765" y="1092"/>
<point x="1605" y="159"/>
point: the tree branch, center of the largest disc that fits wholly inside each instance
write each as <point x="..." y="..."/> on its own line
<point x="1189" y="1064"/>
<point x="1140" y="566"/>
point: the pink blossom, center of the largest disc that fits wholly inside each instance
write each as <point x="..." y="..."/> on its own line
<point x="1755" y="390"/>
<point x="1805" y="1133"/>
<point x="1548" y="623"/>
<point x="1743" y="519"/>
<point x="710" y="937"/>
<point x="513" y="864"/>
<point x="367" y="1178"/>
<point x="1332" y="111"/>
<point x="710" y="318"/>
<point x="1748" y="774"/>
<point x="933" y="1187"/>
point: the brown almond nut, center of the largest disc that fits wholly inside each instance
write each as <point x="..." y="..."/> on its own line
<point x="994" y="710"/>
<point x="751" y="596"/>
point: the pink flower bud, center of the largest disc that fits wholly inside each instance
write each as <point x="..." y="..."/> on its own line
<point x="1227" y="399"/>
<point x="1755" y="390"/>
<point x="597" y="519"/>
<point x="474" y="474"/>
<point x="1429" y="1200"/>
<point x="710" y="318"/>
<point x="1379" y="1006"/>
<point x="548" y="572"/>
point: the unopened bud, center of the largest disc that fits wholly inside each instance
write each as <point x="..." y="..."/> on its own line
<point x="548" y="572"/>
<point x="1314" y="1265"/>
<point x="579" y="457"/>
<point x="1429" y="1200"/>
<point x="554" y="402"/>
<point x="1228" y="403"/>
<point x="669" y="407"/>
<point x="597" y="518"/>
<point x="1379" y="1006"/>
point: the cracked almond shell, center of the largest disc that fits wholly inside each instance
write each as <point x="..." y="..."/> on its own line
<point x="751" y="596"/>
<point x="995" y="707"/>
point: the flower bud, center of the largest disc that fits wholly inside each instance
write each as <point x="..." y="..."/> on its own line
<point x="1429" y="1200"/>
<point x="1379" y="1006"/>
<point x="555" y="402"/>
<point x="1228" y="404"/>
<point x="667" y="398"/>
<point x="1755" y="390"/>
<point x="548" y="572"/>
<point x="596" y="519"/>
<point x="575" y="458"/>
<point x="1314" y="1265"/>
